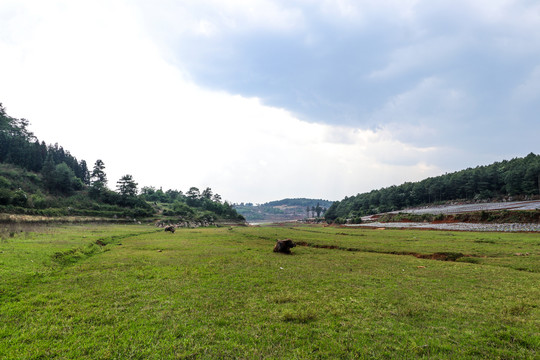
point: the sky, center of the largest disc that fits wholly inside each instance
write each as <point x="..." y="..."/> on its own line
<point x="263" y="100"/>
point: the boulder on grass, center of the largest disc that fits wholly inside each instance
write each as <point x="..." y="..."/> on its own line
<point x="284" y="246"/>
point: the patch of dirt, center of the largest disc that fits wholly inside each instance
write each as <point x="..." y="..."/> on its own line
<point x="440" y="256"/>
<point x="303" y="243"/>
<point x="443" y="256"/>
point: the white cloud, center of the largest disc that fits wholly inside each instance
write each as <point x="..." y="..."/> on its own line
<point x="216" y="18"/>
<point x="361" y="11"/>
<point x="92" y="81"/>
<point x="92" y="76"/>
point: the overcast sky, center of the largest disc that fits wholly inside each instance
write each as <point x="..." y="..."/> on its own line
<point x="262" y="100"/>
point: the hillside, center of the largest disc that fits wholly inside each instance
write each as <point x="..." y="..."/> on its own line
<point x="506" y="180"/>
<point x="284" y="210"/>
<point x="46" y="180"/>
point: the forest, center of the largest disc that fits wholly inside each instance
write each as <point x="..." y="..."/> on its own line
<point x="41" y="179"/>
<point x="516" y="178"/>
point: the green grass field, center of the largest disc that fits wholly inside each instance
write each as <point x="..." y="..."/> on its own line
<point x="136" y="292"/>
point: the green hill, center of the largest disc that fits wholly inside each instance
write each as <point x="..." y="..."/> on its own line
<point x="509" y="179"/>
<point x="40" y="179"/>
<point x="284" y="210"/>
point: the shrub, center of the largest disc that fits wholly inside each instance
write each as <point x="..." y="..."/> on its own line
<point x="19" y="198"/>
<point x="356" y="220"/>
<point x="5" y="183"/>
<point x="5" y="197"/>
<point x="205" y="216"/>
<point x="183" y="210"/>
<point x="39" y="201"/>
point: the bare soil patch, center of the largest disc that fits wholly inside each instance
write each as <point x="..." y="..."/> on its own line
<point x="440" y="256"/>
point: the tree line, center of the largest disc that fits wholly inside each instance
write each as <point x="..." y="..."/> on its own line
<point x="61" y="175"/>
<point x="193" y="205"/>
<point x="19" y="146"/>
<point x="315" y="211"/>
<point x="518" y="177"/>
<point x="303" y="202"/>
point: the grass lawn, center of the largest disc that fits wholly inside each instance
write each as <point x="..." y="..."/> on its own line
<point x="135" y="292"/>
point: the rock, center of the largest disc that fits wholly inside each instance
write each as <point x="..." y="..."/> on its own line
<point x="284" y="246"/>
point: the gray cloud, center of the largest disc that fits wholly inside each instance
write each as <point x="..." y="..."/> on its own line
<point x="391" y="90"/>
<point x="454" y="69"/>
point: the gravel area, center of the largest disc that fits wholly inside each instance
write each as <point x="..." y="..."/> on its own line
<point x="459" y="208"/>
<point x="454" y="226"/>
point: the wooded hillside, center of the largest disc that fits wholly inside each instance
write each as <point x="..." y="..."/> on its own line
<point x="40" y="179"/>
<point x="518" y="177"/>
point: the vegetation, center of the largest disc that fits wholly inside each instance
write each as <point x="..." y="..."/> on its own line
<point x="131" y="292"/>
<point x="36" y="179"/>
<point x="19" y="146"/>
<point x="518" y="177"/>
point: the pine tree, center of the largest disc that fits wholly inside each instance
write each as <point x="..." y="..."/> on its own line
<point x="85" y="174"/>
<point x="126" y="186"/>
<point x="48" y="172"/>
<point x="98" y="177"/>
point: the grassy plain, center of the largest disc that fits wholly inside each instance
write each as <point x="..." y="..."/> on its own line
<point x="135" y="292"/>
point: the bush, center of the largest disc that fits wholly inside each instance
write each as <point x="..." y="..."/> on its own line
<point x="39" y="201"/>
<point x="5" y="197"/>
<point x="19" y="198"/>
<point x="183" y="210"/>
<point x="141" y="212"/>
<point x="5" y="183"/>
<point x="439" y="217"/>
<point x="77" y="184"/>
<point x="205" y="216"/>
<point x="53" y="212"/>
<point x="356" y="220"/>
<point x="484" y="215"/>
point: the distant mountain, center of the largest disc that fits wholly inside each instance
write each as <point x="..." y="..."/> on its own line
<point x="284" y="210"/>
<point x="506" y="180"/>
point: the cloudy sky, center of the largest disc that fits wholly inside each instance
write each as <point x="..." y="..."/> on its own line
<point x="262" y="99"/>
